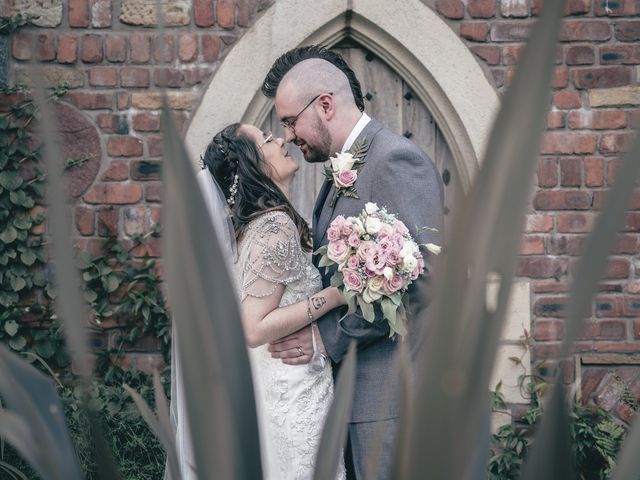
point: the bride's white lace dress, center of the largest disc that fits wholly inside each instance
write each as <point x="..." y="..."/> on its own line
<point x="292" y="401"/>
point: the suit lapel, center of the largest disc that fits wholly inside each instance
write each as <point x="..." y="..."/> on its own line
<point x="325" y="213"/>
<point x="317" y="209"/>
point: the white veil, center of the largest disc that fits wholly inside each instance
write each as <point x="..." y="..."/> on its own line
<point x="217" y="209"/>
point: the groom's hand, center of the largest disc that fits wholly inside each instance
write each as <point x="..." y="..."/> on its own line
<point x="297" y="348"/>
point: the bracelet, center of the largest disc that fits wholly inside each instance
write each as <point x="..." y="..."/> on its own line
<point x="309" y="315"/>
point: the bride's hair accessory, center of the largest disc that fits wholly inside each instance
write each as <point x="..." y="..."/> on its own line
<point x="233" y="190"/>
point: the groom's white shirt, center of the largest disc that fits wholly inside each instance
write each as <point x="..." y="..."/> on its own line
<point x="357" y="129"/>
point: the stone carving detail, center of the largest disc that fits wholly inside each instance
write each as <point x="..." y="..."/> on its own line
<point x="49" y="11"/>
<point x="144" y="12"/>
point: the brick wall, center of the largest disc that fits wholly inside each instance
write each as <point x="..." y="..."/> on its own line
<point x="116" y="66"/>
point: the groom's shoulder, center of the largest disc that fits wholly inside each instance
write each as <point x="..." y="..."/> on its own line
<point x="389" y="144"/>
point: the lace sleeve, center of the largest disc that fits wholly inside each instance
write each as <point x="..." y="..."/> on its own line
<point x="270" y="255"/>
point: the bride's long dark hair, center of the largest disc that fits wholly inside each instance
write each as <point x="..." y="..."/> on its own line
<point x="232" y="153"/>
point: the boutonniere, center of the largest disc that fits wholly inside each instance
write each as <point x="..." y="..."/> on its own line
<point x="344" y="169"/>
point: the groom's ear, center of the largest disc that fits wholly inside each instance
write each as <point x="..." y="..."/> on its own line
<point x="328" y="106"/>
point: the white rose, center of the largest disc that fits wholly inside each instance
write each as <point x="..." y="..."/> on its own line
<point x="373" y="225"/>
<point x="370" y="296"/>
<point x="371" y="208"/>
<point x="359" y="227"/>
<point x="409" y="263"/>
<point x="388" y="273"/>
<point x="342" y="162"/>
<point x="409" y="249"/>
<point x="433" y="248"/>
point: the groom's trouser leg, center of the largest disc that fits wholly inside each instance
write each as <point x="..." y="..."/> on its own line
<point x="362" y="438"/>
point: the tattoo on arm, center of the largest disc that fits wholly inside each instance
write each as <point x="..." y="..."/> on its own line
<point x="318" y="302"/>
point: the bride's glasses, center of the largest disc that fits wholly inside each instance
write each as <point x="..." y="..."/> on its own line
<point x="268" y="138"/>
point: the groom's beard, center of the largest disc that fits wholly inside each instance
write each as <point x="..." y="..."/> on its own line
<point x="322" y="150"/>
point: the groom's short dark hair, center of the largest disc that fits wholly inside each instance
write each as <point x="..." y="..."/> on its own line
<point x="290" y="59"/>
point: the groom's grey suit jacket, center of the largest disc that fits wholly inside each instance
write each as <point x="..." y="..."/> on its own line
<point x="399" y="176"/>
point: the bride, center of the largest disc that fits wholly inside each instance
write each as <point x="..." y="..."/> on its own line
<point x="280" y="292"/>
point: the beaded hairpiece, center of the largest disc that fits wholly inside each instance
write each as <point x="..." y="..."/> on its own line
<point x="233" y="190"/>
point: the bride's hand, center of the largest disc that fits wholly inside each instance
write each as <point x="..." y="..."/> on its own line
<point x="297" y="348"/>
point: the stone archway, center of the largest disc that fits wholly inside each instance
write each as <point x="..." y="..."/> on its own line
<point x="406" y="34"/>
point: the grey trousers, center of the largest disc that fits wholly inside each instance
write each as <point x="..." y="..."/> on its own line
<point x="366" y="456"/>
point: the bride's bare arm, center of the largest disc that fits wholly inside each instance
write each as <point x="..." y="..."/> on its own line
<point x="264" y="321"/>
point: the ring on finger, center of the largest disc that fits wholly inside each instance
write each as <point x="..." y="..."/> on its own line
<point x="300" y="351"/>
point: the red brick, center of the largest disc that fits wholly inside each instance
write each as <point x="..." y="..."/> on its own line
<point x="627" y="31"/>
<point x="541" y="267"/>
<point x="513" y="31"/>
<point x="22" y="45"/>
<point x="601" y="77"/>
<point x="571" y="245"/>
<point x="565" y="100"/>
<point x="625" y="54"/>
<point x="562" y="200"/>
<point x="103" y="77"/>
<point x="210" y="47"/>
<point x="575" y="222"/>
<point x="91" y="100"/>
<point x="197" y="75"/>
<point x="107" y="122"/>
<point x="618" y="8"/>
<point x="618" y="268"/>
<point x="246" y="10"/>
<point x="187" y="47"/>
<point x="550" y="307"/>
<point x="123" y="100"/>
<point x="146" y="122"/>
<point x="168" y="77"/>
<point x="532" y="245"/>
<point x="511" y="54"/>
<point x="67" y="48"/>
<point x="140" y="47"/>
<point x="614" y="347"/>
<point x="604" y="330"/>
<point x="577" y="7"/>
<point x="78" y="13"/>
<point x="626" y="244"/>
<point x="154" y="145"/>
<point x="145" y="170"/>
<point x="597" y="119"/>
<point x="555" y="119"/>
<point x="163" y="49"/>
<point x="547" y="330"/>
<point x="560" y="77"/>
<point x="475" y="31"/>
<point x="85" y="220"/>
<point x="490" y="54"/>
<point x="123" y="146"/>
<point x="114" y="193"/>
<point x="481" y="8"/>
<point x="585" y="31"/>
<point x="151" y="248"/>
<point x="609" y="306"/>
<point x="91" y="48"/>
<point x="570" y="172"/>
<point x="550" y="286"/>
<point x="134" y="77"/>
<point x="45" y="46"/>
<point x="135" y="221"/>
<point x="593" y="172"/>
<point x="152" y="191"/>
<point x="225" y="12"/>
<point x="116" y="48"/>
<point x="636" y="329"/>
<point x="101" y="13"/>
<point x="615" y="142"/>
<point x="155" y="215"/>
<point x="203" y="13"/>
<point x="536" y="223"/>
<point x="514" y="9"/>
<point x="547" y="172"/>
<point x="108" y="219"/>
<point x="117" y="171"/>
<point x="580" y="55"/>
<point x="568" y="143"/>
<point x="632" y="222"/>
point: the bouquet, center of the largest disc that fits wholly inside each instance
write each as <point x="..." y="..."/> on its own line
<point x="377" y="260"/>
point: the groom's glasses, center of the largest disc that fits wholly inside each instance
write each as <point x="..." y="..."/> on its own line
<point x="291" y="124"/>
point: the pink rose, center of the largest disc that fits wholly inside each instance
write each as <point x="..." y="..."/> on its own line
<point x="418" y="269"/>
<point x="353" y="262"/>
<point x="393" y="285"/>
<point x="398" y="240"/>
<point x="333" y="233"/>
<point x="385" y="231"/>
<point x="352" y="280"/>
<point x="363" y="249"/>
<point x="347" y="229"/>
<point x="393" y="258"/>
<point x="375" y="260"/>
<point x="354" y="240"/>
<point x="338" y="222"/>
<point x="338" y="251"/>
<point x="385" y="245"/>
<point x="346" y="178"/>
<point x="401" y="228"/>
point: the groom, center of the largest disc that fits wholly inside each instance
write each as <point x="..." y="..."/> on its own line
<point x="319" y="102"/>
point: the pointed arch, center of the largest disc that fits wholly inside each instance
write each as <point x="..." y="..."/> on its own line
<point x="406" y="34"/>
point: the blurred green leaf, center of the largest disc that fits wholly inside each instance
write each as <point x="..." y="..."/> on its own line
<point x="11" y="327"/>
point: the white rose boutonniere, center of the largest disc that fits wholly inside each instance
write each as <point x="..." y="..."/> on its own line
<point x="344" y="168"/>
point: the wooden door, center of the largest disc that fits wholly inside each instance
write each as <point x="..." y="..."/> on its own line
<point x="388" y="99"/>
